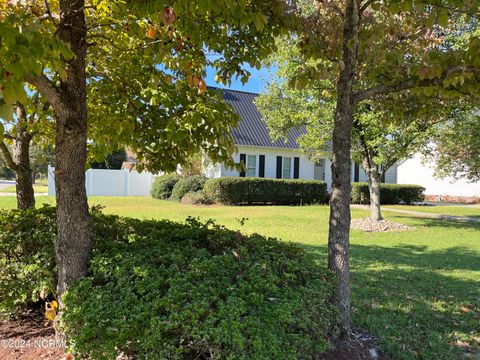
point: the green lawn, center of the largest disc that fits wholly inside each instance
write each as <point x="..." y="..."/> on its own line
<point x="38" y="188"/>
<point x="442" y="209"/>
<point x="418" y="291"/>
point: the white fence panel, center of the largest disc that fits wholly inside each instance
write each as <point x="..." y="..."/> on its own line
<point x="99" y="182"/>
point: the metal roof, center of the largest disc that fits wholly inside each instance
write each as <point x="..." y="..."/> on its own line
<point x="252" y="129"/>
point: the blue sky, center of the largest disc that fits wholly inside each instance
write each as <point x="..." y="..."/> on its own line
<point x="255" y="84"/>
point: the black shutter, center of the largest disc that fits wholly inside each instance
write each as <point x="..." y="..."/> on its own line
<point x="356" y="174"/>
<point x="243" y="159"/>
<point x="296" y="167"/>
<point x="261" y="168"/>
<point x="279" y="167"/>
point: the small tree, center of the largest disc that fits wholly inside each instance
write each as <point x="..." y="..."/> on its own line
<point x="384" y="131"/>
<point x="369" y="50"/>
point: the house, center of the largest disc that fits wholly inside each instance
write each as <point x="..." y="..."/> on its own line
<point x="420" y="171"/>
<point x="281" y="159"/>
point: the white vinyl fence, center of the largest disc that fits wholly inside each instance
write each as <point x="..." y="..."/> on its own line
<point x="101" y="182"/>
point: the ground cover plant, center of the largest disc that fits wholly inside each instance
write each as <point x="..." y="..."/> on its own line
<point x="161" y="289"/>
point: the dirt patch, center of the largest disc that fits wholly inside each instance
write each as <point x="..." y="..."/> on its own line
<point x="370" y="225"/>
<point x="30" y="337"/>
<point x="361" y="347"/>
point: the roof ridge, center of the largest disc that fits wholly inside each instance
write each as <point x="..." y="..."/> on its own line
<point x="233" y="90"/>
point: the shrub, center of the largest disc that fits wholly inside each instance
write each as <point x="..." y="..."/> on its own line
<point x="195" y="198"/>
<point x="390" y="194"/>
<point x="189" y="184"/>
<point x="163" y="185"/>
<point x="236" y="190"/>
<point x="27" y="258"/>
<point x="163" y="290"/>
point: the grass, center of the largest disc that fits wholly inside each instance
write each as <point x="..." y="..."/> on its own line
<point x="473" y="211"/>
<point x="418" y="291"/>
<point x="37" y="188"/>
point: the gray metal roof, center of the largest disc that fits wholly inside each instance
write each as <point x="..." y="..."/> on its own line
<point x="252" y="129"/>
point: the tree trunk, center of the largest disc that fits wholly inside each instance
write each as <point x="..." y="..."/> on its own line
<point x="73" y="221"/>
<point x="339" y="226"/>
<point x="373" y="179"/>
<point x="23" y="172"/>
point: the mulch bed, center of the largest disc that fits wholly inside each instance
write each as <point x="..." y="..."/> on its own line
<point x="30" y="337"/>
<point x="370" y="225"/>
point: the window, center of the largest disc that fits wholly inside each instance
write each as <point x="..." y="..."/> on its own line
<point x="251" y="165"/>
<point x="287" y="168"/>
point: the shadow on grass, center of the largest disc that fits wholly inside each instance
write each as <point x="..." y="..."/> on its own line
<point x="417" y="301"/>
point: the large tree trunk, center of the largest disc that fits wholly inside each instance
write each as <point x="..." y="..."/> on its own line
<point x="339" y="226"/>
<point x="373" y="179"/>
<point x="23" y="172"/>
<point x="73" y="221"/>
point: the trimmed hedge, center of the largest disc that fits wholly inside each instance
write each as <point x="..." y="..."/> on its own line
<point x="166" y="290"/>
<point x="237" y="191"/>
<point x="189" y="184"/>
<point x="390" y="194"/>
<point x="163" y="185"/>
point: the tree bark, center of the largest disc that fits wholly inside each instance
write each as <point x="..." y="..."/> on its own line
<point x="23" y="172"/>
<point x="339" y="225"/>
<point x="373" y="179"/>
<point x="73" y="220"/>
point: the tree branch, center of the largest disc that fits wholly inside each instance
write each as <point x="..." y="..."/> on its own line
<point x="8" y="157"/>
<point x="370" y="93"/>
<point x="48" y="90"/>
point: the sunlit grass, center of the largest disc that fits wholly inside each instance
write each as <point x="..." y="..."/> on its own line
<point x="37" y="188"/>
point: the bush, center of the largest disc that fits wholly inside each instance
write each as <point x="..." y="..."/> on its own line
<point x="195" y="198"/>
<point x="189" y="184"/>
<point x="164" y="290"/>
<point x="236" y="190"/>
<point x="390" y="194"/>
<point x="163" y="185"/>
<point x="27" y="258"/>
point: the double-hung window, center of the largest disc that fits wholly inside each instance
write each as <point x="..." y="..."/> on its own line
<point x="287" y="168"/>
<point x="251" y="165"/>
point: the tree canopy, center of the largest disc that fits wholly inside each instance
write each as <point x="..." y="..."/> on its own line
<point x="455" y="148"/>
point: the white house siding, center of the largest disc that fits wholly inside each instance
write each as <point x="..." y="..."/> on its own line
<point x="415" y="171"/>
<point x="390" y="175"/>
<point x="306" y="168"/>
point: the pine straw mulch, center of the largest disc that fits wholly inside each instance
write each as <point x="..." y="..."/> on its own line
<point x="30" y="337"/>
<point x="369" y="225"/>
